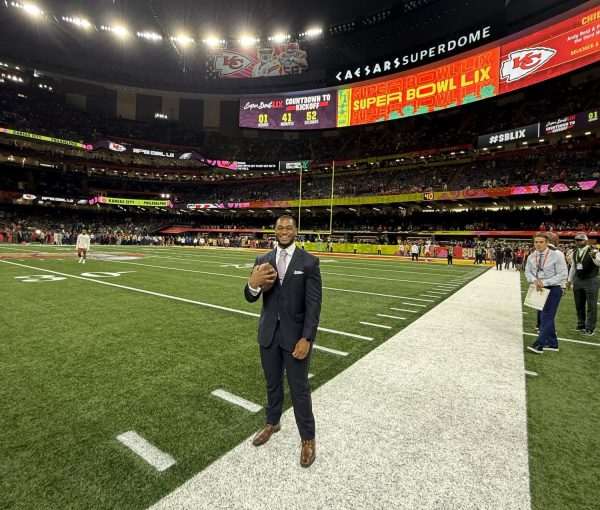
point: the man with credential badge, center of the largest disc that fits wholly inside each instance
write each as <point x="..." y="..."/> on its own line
<point x="583" y="276"/>
<point x="546" y="269"/>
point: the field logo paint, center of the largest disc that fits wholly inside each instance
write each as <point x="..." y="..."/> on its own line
<point x="40" y="278"/>
<point x="523" y="62"/>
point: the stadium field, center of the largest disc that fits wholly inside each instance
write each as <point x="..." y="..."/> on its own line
<point x="138" y="338"/>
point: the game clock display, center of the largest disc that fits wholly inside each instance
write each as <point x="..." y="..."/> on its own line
<point x="307" y="110"/>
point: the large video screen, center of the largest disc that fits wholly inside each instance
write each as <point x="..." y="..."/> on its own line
<point x="305" y="110"/>
<point x="545" y="51"/>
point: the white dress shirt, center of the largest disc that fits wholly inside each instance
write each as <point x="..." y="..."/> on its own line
<point x="290" y="253"/>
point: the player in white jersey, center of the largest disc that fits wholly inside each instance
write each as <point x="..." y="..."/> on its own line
<point x="83" y="245"/>
<point x="293" y="59"/>
<point x="427" y="250"/>
<point x="267" y="65"/>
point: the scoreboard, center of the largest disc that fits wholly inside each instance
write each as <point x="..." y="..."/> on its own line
<point x="559" y="46"/>
<point x="306" y="110"/>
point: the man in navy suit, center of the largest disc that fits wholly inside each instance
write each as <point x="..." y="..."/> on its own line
<point x="290" y="281"/>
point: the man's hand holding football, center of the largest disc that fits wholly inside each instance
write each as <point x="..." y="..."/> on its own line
<point x="263" y="276"/>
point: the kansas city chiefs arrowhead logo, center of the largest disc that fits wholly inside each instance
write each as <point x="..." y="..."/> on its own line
<point x="523" y="62"/>
<point x="231" y="62"/>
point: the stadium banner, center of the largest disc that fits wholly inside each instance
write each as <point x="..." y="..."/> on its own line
<point x="549" y="52"/>
<point x="451" y="44"/>
<point x="460" y="82"/>
<point x="186" y="156"/>
<point x="223" y="205"/>
<point x="43" y="138"/>
<point x="294" y="165"/>
<point x="575" y="122"/>
<point x="257" y="62"/>
<point x="28" y="196"/>
<point x="130" y="201"/>
<point x="316" y="109"/>
<point x="510" y="135"/>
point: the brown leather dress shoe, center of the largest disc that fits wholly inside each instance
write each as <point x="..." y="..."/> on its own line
<point x="264" y="434"/>
<point x="308" y="453"/>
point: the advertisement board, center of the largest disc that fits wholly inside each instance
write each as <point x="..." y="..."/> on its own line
<point x="305" y="110"/>
<point x="130" y="201"/>
<point x="460" y="82"/>
<point x="550" y="52"/>
<point x="44" y="138"/>
<point x="257" y="61"/>
<point x="576" y="121"/>
<point x="509" y="135"/>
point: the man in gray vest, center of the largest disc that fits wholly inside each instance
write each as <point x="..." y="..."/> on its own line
<point x="584" y="278"/>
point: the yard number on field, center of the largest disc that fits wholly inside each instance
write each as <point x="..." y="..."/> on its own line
<point x="52" y="278"/>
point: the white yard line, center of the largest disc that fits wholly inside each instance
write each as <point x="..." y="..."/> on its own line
<point x="569" y="340"/>
<point x="319" y="347"/>
<point x="391" y="316"/>
<point x="403" y="310"/>
<point x="378" y="294"/>
<point x="238" y="401"/>
<point x="375" y="325"/>
<point x="147" y="451"/>
<point x="175" y="298"/>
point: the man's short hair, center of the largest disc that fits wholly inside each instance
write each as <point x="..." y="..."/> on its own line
<point x="288" y="217"/>
<point x="541" y="234"/>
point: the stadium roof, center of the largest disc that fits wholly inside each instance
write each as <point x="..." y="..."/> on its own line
<point x="228" y="16"/>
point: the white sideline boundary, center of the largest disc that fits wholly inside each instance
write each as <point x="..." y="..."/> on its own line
<point x="416" y="423"/>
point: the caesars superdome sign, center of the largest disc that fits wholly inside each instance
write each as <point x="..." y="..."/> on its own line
<point x="416" y="57"/>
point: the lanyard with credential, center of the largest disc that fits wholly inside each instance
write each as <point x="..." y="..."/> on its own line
<point x="539" y="268"/>
<point x="579" y="256"/>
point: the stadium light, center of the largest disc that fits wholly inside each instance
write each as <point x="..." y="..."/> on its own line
<point x="247" y="40"/>
<point x="311" y="32"/>
<point x="149" y="36"/>
<point x="279" y="38"/>
<point x="78" y="22"/>
<point x="118" y="30"/>
<point x="213" y="42"/>
<point x="588" y="133"/>
<point x="184" y="40"/>
<point x="30" y="9"/>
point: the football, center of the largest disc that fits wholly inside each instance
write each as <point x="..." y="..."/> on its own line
<point x="266" y="287"/>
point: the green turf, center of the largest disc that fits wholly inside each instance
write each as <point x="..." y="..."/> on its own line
<point x="564" y="416"/>
<point x="82" y="362"/>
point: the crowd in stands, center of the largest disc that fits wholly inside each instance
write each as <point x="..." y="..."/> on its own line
<point x="135" y="226"/>
<point x="41" y="111"/>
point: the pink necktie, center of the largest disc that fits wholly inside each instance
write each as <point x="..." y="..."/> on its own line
<point x="281" y="266"/>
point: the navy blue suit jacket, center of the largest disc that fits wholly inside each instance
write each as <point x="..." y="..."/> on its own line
<point x="296" y="304"/>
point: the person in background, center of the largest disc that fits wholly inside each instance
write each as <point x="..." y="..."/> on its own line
<point x="583" y="276"/>
<point x="83" y="245"/>
<point x="450" y="254"/>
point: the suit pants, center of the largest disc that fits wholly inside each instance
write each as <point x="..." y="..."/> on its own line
<point x="274" y="360"/>
<point x="585" y="292"/>
<point x="547" y="335"/>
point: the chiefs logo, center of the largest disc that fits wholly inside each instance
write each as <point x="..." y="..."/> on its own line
<point x="523" y="62"/>
<point x="231" y="62"/>
<point x="117" y="147"/>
